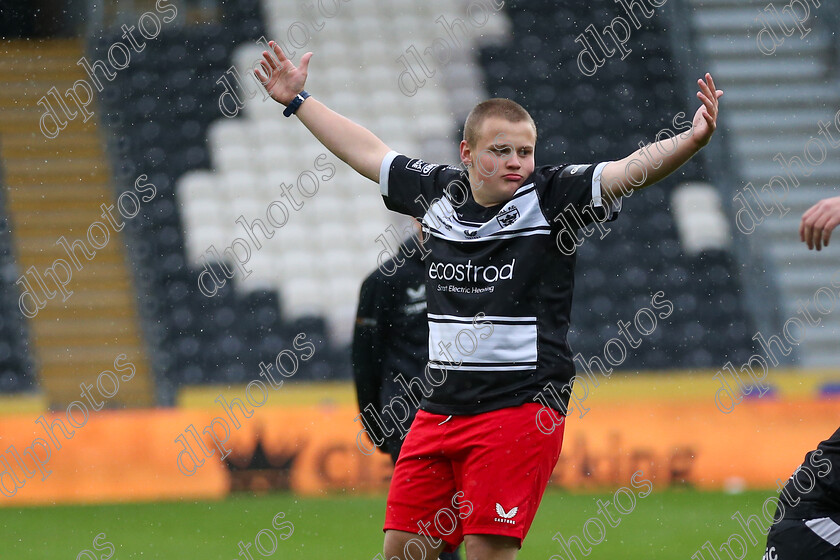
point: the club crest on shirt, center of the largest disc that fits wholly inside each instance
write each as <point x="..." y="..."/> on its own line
<point x="508" y="216"/>
<point x="420" y="166"/>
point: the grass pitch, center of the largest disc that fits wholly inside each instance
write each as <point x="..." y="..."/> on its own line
<point x="667" y="524"/>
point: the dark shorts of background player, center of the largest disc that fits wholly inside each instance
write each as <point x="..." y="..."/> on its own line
<point x="791" y="539"/>
<point x="500" y="460"/>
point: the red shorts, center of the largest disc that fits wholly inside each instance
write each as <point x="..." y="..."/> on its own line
<point x="469" y="475"/>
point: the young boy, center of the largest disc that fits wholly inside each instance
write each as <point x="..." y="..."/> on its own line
<point x="475" y="465"/>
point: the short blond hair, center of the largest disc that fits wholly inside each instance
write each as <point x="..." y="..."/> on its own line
<point x="497" y="107"/>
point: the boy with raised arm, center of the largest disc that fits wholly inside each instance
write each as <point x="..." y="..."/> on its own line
<point x="474" y="466"/>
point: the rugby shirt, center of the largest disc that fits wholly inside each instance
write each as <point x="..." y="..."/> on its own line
<point x="499" y="288"/>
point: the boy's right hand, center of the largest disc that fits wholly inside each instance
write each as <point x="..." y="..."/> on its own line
<point x="280" y="78"/>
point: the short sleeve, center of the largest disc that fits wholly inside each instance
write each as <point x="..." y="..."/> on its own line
<point x="573" y="195"/>
<point x="409" y="185"/>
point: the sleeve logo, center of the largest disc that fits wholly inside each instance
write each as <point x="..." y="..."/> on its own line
<point x="420" y="166"/>
<point x="571" y="170"/>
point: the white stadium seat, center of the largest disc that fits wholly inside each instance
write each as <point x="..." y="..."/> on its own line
<point x="264" y="132"/>
<point x="226" y="131"/>
<point x="241" y="182"/>
<point x="228" y="157"/>
<point x="698" y="214"/>
<point x="301" y="296"/>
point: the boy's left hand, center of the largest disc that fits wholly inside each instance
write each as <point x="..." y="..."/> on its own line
<point x="705" y="119"/>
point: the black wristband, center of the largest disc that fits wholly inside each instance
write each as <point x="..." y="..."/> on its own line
<point x="296" y="102"/>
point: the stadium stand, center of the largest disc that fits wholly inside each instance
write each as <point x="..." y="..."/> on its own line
<point x="159" y="110"/>
<point x="584" y="119"/>
<point x="798" y="78"/>
<point x="54" y="188"/>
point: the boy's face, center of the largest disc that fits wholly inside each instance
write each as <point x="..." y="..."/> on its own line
<point x="501" y="161"/>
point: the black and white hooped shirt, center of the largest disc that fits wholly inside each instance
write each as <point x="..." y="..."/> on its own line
<point x="503" y="262"/>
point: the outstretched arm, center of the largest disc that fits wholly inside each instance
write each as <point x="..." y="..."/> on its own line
<point x="350" y="142"/>
<point x="818" y="222"/>
<point x="653" y="163"/>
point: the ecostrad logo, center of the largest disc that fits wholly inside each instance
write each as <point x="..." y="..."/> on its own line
<point x="471" y="273"/>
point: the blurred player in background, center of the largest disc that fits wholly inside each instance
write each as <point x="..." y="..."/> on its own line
<point x="391" y="341"/>
<point x="474" y="466"/>
<point x="808" y="526"/>
<point x="808" y="514"/>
